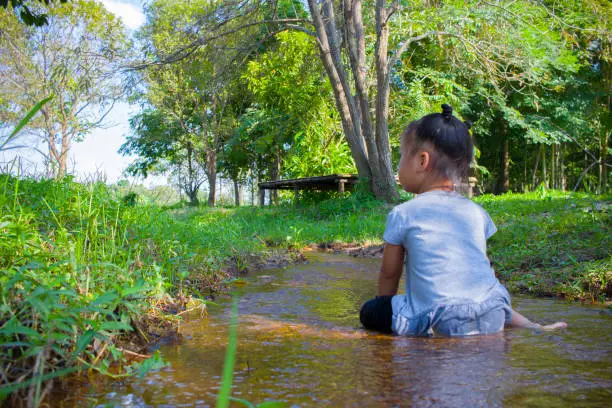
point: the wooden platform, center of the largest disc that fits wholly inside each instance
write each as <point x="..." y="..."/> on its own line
<point x="338" y="182"/>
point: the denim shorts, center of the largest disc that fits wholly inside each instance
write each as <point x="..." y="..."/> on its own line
<point x="462" y="319"/>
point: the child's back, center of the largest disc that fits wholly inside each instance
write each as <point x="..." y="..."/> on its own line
<point x="444" y="235"/>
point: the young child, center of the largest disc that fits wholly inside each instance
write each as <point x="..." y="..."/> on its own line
<point x="451" y="289"/>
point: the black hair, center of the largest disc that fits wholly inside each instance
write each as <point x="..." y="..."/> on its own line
<point x="450" y="138"/>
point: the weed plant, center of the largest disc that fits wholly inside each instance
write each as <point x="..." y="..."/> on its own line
<point x="70" y="283"/>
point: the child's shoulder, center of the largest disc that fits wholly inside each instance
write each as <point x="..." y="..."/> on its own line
<point x="436" y="198"/>
<point x="437" y="203"/>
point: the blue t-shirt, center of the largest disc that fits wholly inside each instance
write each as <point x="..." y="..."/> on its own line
<point x="444" y="235"/>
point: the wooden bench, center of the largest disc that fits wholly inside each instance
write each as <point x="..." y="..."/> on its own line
<point x="337" y="182"/>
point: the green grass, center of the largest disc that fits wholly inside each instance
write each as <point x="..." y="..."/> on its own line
<point x="551" y="244"/>
<point x="71" y="283"/>
<point x="79" y="266"/>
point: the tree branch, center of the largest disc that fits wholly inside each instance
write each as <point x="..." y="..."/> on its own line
<point x="564" y="23"/>
<point x="392" y="10"/>
<point x="513" y="14"/>
<point x="302" y="29"/>
<point x="194" y="45"/>
<point x="485" y="58"/>
<point x="407" y="43"/>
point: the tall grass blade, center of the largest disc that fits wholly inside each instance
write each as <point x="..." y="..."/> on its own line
<point x="25" y="120"/>
<point x="230" y="358"/>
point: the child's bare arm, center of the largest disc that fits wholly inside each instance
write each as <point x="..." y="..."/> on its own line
<point x="390" y="270"/>
<point x="518" y="320"/>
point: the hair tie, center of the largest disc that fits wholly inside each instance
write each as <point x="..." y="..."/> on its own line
<point x="468" y="124"/>
<point x="447" y="112"/>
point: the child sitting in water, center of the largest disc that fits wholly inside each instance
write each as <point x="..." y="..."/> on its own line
<point x="441" y="236"/>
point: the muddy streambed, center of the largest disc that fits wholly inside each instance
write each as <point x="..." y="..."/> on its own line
<point x="299" y="341"/>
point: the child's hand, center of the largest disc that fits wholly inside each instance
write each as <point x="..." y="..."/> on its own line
<point x="554" y="326"/>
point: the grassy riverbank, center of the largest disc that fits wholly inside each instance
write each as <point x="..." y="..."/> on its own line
<point x="80" y="268"/>
<point x="548" y="242"/>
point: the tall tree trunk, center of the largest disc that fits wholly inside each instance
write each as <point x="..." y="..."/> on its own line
<point x="236" y="192"/>
<point x="503" y="181"/>
<point x="524" y="186"/>
<point x="353" y="22"/>
<point x="58" y="158"/>
<point x="211" y="174"/>
<point x="535" y="170"/>
<point x="605" y="139"/>
<point x="275" y="175"/>
<point x="345" y="103"/>
<point x="544" y="172"/>
<point x="53" y="154"/>
<point x="603" y="156"/>
<point x="563" y="177"/>
<point x="553" y="166"/>
<point x="191" y="183"/>
<point x="262" y="193"/>
<point x="384" y="184"/>
<point x="63" y="157"/>
<point x="252" y="188"/>
<point x="370" y="151"/>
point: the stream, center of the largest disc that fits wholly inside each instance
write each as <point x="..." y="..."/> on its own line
<point x="300" y="342"/>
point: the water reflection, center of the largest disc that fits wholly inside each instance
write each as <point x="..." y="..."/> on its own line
<point x="442" y="372"/>
<point x="300" y="341"/>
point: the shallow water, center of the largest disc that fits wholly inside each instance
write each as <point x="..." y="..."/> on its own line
<point x="300" y="341"/>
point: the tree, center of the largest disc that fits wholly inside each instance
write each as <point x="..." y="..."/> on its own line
<point x="195" y="91"/>
<point x="162" y="141"/>
<point x="289" y="90"/>
<point x="74" y="58"/>
<point x="541" y="127"/>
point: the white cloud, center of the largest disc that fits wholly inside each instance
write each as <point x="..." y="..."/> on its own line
<point x="132" y="16"/>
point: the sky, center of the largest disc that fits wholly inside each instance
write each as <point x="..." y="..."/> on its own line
<point x="97" y="153"/>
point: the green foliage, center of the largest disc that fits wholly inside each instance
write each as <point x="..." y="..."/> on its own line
<point x="29" y="16"/>
<point x="130" y="199"/>
<point x="69" y="281"/>
<point x="545" y="239"/>
<point x="547" y="243"/>
<point x="190" y="105"/>
<point x="519" y="72"/>
<point x="155" y="137"/>
<point x="155" y="362"/>
<point x="291" y="116"/>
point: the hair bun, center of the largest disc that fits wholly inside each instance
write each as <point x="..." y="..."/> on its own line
<point x="447" y="111"/>
<point x="468" y="124"/>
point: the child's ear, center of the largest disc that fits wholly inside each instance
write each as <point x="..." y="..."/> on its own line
<point x="424" y="160"/>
